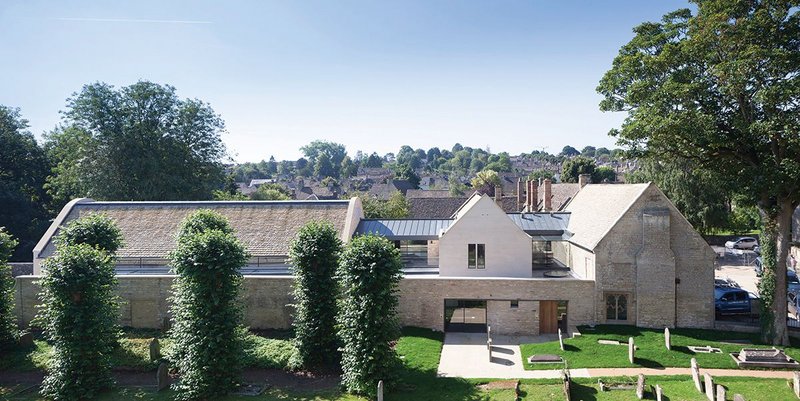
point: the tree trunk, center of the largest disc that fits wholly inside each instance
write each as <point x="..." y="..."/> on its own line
<point x="777" y="226"/>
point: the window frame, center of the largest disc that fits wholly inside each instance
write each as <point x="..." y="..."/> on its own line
<point x="617" y="296"/>
<point x="476" y="256"/>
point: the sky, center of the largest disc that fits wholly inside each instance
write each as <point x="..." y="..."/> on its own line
<point x="507" y="75"/>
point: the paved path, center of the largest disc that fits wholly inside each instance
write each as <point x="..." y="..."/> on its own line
<point x="466" y="355"/>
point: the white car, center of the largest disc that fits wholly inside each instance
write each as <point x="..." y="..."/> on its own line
<point x="742" y="243"/>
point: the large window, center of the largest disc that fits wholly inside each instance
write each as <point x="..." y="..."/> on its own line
<point x="616" y="307"/>
<point x="476" y="256"/>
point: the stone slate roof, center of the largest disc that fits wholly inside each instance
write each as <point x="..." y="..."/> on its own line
<point x="265" y="227"/>
<point x="434" y="208"/>
<point x="427" y="193"/>
<point x="597" y="208"/>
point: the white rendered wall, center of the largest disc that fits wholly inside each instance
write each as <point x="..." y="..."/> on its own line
<point x="508" y="248"/>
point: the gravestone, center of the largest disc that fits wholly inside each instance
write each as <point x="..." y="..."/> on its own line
<point x="560" y="340"/>
<point x="608" y="342"/>
<point x="704" y="349"/>
<point x="166" y="324"/>
<point x="640" y="387"/>
<point x="667" y="340"/>
<point x="380" y="390"/>
<point x="709" y="385"/>
<point x="696" y="375"/>
<point x="26" y="340"/>
<point x="738" y="397"/>
<point x="488" y="333"/>
<point x="720" y="393"/>
<point x="162" y="376"/>
<point x="489" y="345"/>
<point x="545" y="358"/>
<point x="631" y="350"/>
<point x="155" y="350"/>
<point x="659" y="393"/>
<point x="796" y="383"/>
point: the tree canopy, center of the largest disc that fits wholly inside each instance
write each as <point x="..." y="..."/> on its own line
<point x="139" y="142"/>
<point x="722" y="88"/>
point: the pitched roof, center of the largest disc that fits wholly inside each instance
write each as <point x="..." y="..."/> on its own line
<point x="407" y="229"/>
<point x="265" y="227"/>
<point x="427" y="193"/>
<point x="434" y="208"/>
<point x="561" y="194"/>
<point x="597" y="208"/>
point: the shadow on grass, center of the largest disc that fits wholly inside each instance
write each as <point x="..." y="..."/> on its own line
<point x="571" y="348"/>
<point x="583" y="392"/>
<point x="682" y="349"/>
<point x="649" y="363"/>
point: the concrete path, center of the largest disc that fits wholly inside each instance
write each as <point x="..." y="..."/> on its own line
<point x="466" y="355"/>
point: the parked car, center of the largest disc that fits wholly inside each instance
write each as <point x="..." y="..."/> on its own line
<point x="792" y="280"/>
<point x="742" y="243"/>
<point x="757" y="250"/>
<point x="730" y="301"/>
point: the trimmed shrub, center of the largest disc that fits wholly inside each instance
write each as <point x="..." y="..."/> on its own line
<point x="96" y="229"/>
<point x="8" y="323"/>
<point x="207" y="333"/>
<point x="369" y="274"/>
<point x="79" y="313"/>
<point x="315" y="256"/>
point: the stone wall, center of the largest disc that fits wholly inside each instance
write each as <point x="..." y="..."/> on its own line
<point x="266" y="299"/>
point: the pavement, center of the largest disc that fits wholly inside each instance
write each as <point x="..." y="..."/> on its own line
<point x="738" y="266"/>
<point x="466" y="355"/>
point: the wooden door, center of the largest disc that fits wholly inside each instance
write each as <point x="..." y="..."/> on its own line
<point x="548" y="317"/>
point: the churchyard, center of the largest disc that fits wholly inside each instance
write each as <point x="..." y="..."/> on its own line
<point x="267" y="355"/>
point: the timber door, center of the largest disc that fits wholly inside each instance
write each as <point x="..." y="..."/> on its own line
<point x="548" y="317"/>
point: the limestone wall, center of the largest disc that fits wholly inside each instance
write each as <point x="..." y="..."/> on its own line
<point x="266" y="299"/>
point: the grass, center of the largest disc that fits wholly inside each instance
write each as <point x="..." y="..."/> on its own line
<point x="584" y="351"/>
<point x="682" y="388"/>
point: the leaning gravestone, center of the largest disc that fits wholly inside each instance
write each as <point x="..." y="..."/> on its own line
<point x="667" y="340"/>
<point x="720" y="393"/>
<point x="380" y="390"/>
<point x="155" y="350"/>
<point x="796" y="383"/>
<point x="162" y="376"/>
<point x="631" y="349"/>
<point x="560" y="340"/>
<point x="659" y="393"/>
<point x="696" y="375"/>
<point x="709" y="385"/>
<point x="640" y="387"/>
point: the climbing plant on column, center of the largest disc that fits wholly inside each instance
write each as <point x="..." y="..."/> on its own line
<point x="369" y="274"/>
<point x="314" y="255"/>
<point x="79" y="309"/>
<point x="8" y="325"/>
<point x="207" y="331"/>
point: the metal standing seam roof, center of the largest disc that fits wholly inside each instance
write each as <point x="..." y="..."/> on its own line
<point x="549" y="226"/>
<point x="410" y="229"/>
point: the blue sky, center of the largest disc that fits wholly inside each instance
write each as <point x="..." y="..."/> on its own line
<point x="374" y="75"/>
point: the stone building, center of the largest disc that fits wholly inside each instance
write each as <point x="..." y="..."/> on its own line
<point x="615" y="253"/>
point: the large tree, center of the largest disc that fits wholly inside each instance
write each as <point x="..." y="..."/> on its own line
<point x="23" y="168"/>
<point x="722" y="88"/>
<point x="139" y="142"/>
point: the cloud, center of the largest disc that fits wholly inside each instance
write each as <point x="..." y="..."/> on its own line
<point x="128" y="20"/>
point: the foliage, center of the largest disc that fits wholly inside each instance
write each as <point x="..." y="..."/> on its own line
<point x="574" y="167"/>
<point x="405" y="172"/>
<point x="325" y="157"/>
<point x="569" y="151"/>
<point x="220" y="195"/>
<point x="604" y="174"/>
<point x="78" y="312"/>
<point x="140" y="142"/>
<point x="8" y="321"/>
<point x="97" y="230"/>
<point x="744" y="219"/>
<point x="396" y="207"/>
<point x="768" y="283"/>
<point x="720" y="87"/>
<point x="314" y="257"/>
<point x="702" y="196"/>
<point x="268" y="353"/>
<point x="369" y="274"/>
<point x="457" y="188"/>
<point x="23" y="169"/>
<point x="541" y="174"/>
<point x="270" y="192"/>
<point x="207" y="331"/>
<point x="486" y="181"/>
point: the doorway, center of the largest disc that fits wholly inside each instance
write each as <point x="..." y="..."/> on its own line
<point x="464" y="315"/>
<point x="552" y="316"/>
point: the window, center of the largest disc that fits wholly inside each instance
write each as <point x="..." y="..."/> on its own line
<point x="476" y="256"/>
<point x="514" y="304"/>
<point x="616" y="307"/>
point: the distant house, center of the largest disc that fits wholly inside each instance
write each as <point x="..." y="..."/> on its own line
<point x="385" y="191"/>
<point x="619" y="254"/>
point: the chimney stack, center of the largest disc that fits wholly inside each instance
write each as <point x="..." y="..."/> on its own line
<point x="520" y="190"/>
<point x="533" y="190"/>
<point x="584" y="179"/>
<point x="498" y="194"/>
<point x="548" y="195"/>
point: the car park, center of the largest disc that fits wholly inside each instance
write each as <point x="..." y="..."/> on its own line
<point x="742" y="243"/>
<point x="731" y="301"/>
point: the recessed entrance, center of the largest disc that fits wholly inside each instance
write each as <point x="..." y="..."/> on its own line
<point x="464" y="315"/>
<point x="552" y="316"/>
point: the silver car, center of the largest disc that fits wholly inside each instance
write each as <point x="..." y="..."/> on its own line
<point x="742" y="243"/>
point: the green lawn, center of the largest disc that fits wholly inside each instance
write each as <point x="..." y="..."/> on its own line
<point x="682" y="388"/>
<point x="584" y="351"/>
